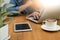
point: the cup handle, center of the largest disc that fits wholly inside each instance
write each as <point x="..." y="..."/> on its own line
<point x="43" y="22"/>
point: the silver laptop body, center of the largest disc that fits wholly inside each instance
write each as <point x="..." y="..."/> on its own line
<point x="52" y="12"/>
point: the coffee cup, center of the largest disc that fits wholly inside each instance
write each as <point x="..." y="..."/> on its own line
<point x="50" y="22"/>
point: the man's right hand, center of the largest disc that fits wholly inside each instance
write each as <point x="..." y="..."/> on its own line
<point x="35" y="15"/>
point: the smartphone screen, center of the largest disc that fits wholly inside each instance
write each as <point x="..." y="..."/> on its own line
<point x="22" y="26"/>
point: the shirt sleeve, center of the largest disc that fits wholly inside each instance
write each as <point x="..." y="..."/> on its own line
<point x="12" y="1"/>
<point x="13" y="8"/>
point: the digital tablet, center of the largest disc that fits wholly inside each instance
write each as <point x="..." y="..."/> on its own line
<point x="22" y="27"/>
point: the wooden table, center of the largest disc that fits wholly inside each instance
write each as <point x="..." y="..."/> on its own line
<point x="36" y="34"/>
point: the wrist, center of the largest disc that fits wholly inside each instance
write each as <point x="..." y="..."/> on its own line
<point x="28" y="3"/>
<point x="38" y="11"/>
<point x="21" y="8"/>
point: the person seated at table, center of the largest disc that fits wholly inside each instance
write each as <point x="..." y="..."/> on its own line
<point x="23" y="7"/>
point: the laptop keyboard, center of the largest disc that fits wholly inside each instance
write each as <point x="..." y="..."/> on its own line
<point x="33" y="18"/>
<point x="36" y="19"/>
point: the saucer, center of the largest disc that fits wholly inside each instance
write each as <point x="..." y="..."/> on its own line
<point x="56" y="28"/>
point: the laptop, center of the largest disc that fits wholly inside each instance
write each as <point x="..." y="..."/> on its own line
<point x="50" y="12"/>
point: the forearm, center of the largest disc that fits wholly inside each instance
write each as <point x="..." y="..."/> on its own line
<point x="24" y="6"/>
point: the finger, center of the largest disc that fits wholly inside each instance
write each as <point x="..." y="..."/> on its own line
<point x="29" y="15"/>
<point x="34" y="16"/>
<point x="37" y="17"/>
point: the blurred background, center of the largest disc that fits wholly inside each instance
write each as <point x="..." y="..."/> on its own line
<point x="37" y="4"/>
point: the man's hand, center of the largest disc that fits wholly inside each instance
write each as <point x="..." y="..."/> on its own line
<point x="36" y="15"/>
<point x="24" y="6"/>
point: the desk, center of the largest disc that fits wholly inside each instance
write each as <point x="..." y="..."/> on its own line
<point x="36" y="34"/>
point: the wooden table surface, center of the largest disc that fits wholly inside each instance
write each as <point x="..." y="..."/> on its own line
<point x="36" y="34"/>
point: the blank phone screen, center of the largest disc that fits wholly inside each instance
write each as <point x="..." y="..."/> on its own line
<point x="22" y="26"/>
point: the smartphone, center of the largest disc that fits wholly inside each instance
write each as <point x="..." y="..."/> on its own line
<point x="22" y="27"/>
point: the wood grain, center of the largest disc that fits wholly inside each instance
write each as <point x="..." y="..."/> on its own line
<point x="36" y="34"/>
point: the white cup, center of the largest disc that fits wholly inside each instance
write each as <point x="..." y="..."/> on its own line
<point x="50" y="22"/>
